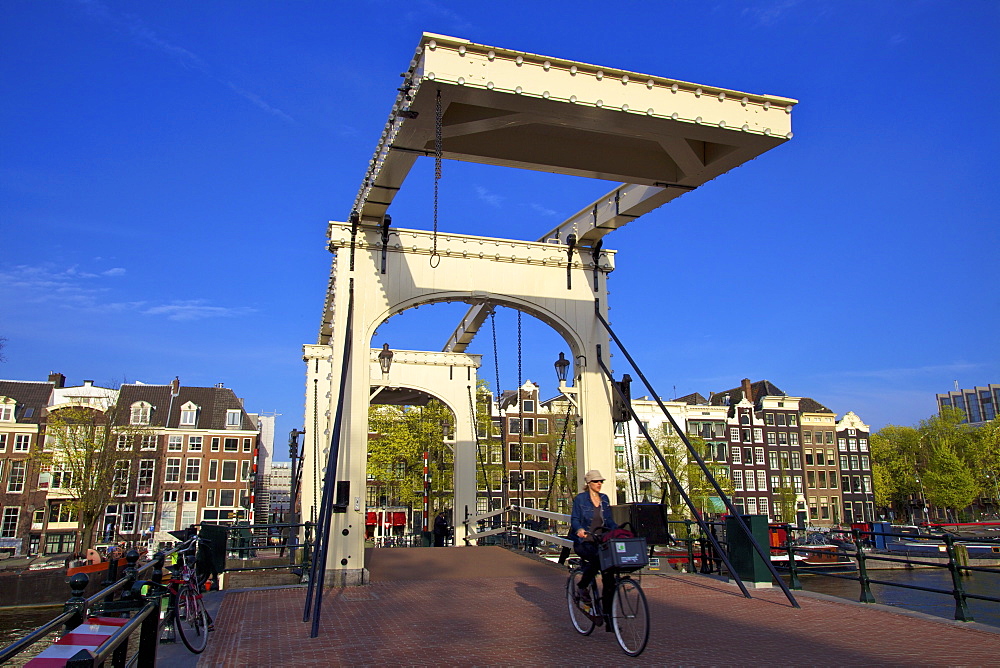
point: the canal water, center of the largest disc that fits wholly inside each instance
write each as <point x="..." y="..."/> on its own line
<point x="939" y="605"/>
<point x="15" y="623"/>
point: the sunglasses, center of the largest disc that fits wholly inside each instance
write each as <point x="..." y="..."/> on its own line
<point x="596" y="481"/>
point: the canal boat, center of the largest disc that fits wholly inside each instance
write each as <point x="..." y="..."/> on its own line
<point x="820" y="557"/>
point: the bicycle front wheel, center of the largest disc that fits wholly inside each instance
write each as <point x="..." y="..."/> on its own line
<point x="192" y="620"/>
<point x="630" y="617"/>
<point x="582" y="622"/>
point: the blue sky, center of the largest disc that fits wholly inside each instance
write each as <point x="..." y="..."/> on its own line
<point x="167" y="171"/>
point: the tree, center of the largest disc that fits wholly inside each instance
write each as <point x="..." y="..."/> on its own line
<point x="948" y="482"/>
<point x="84" y="451"/>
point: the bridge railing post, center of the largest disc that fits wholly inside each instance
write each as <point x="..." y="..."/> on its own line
<point x="866" y="589"/>
<point x="77" y="603"/>
<point x="962" y="613"/>
<point x="793" y="580"/>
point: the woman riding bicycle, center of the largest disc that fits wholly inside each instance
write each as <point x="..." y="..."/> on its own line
<point x="591" y="515"/>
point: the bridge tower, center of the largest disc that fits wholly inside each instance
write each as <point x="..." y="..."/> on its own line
<point x="660" y="137"/>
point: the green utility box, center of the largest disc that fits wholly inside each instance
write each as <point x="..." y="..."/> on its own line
<point x="742" y="555"/>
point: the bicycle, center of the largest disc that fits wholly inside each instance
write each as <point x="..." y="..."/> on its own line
<point x="629" y="610"/>
<point x="186" y="608"/>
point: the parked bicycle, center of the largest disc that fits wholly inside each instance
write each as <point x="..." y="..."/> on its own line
<point x="629" y="611"/>
<point x="186" y="611"/>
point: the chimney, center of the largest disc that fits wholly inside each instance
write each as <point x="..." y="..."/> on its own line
<point x="747" y="390"/>
<point x="175" y="386"/>
<point x="58" y="380"/>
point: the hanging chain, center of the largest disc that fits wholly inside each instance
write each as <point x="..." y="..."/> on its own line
<point x="438" y="150"/>
<point x="520" y="417"/>
<point x="496" y="362"/>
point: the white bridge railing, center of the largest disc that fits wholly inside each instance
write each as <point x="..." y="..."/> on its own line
<point x="511" y="524"/>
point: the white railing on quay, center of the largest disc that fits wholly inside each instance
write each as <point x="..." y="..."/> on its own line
<point x="512" y="525"/>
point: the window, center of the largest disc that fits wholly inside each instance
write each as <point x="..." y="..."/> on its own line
<point x="865" y="463"/>
<point x="195" y="443"/>
<point x="758" y="435"/>
<point x="215" y="443"/>
<point x="738" y="480"/>
<point x="863" y="444"/>
<point x="735" y="454"/>
<point x="784" y="461"/>
<point x="61" y="479"/>
<point x="543" y="452"/>
<point x="772" y="438"/>
<point x="867" y="484"/>
<point x="175" y="443"/>
<point x="146" y="514"/>
<point x="854" y="462"/>
<point x="245" y="470"/>
<point x="147" y="442"/>
<point x="734" y="434"/>
<point x="7" y="411"/>
<point x="748" y="456"/>
<point x="140" y="412"/>
<point x="775" y="483"/>
<point x="213" y="470"/>
<point x="811" y="479"/>
<point x="170" y="496"/>
<point x="229" y="470"/>
<point x="793" y="438"/>
<point x="761" y="481"/>
<point x="842" y="444"/>
<point x="772" y="459"/>
<point x="173" y="470"/>
<point x="782" y="438"/>
<point x="190" y="496"/>
<point x="119" y="486"/>
<point x="758" y="456"/>
<point x="781" y="419"/>
<point x="762" y="506"/>
<point x="543" y="481"/>
<point x="822" y="480"/>
<point x="844" y="466"/>
<point x="231" y="445"/>
<point x="8" y="526"/>
<point x="769" y="419"/>
<point x="144" y="483"/>
<point x="792" y="420"/>
<point x="496" y="453"/>
<point x="496" y="428"/>
<point x="234" y="418"/>
<point x="644" y="462"/>
<point x="746" y="435"/>
<point x="829" y="437"/>
<point x="61" y="512"/>
<point x="807" y="438"/>
<point x="3" y="442"/>
<point x="744" y="419"/>
<point x="751" y="506"/>
<point x="22" y="442"/>
<point x="529" y="481"/>
<point x="193" y="471"/>
<point x="833" y="480"/>
<point x="527" y="406"/>
<point x="543" y="426"/>
<point x="247" y="445"/>
<point x="796" y="459"/>
<point x="798" y="484"/>
<point x="845" y="483"/>
<point x="515" y="481"/>
<point x="750" y="482"/>
<point x="128" y="518"/>
<point x="189" y="414"/>
<point x="227" y="498"/>
<point x="124" y="442"/>
<point x="515" y="452"/>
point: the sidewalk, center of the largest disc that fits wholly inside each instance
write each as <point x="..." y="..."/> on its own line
<point x="487" y="606"/>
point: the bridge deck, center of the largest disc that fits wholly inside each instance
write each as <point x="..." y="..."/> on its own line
<point x="481" y="606"/>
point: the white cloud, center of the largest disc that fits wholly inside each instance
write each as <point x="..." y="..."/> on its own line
<point x="196" y="310"/>
<point x="542" y="210"/>
<point x="769" y="13"/>
<point x="490" y="198"/>
<point x="144" y="35"/>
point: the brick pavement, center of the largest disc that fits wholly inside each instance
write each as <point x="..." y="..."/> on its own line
<point x="489" y="616"/>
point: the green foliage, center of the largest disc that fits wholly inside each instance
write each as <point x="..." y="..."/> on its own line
<point x="84" y="444"/>
<point x="955" y="462"/>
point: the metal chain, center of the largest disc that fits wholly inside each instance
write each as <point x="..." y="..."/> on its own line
<point x="496" y="361"/>
<point x="438" y="150"/>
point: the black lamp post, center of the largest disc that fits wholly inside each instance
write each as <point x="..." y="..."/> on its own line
<point x="385" y="359"/>
<point x="562" y="366"/>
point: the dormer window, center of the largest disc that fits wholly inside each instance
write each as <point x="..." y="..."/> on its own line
<point x="234" y="418"/>
<point x="189" y="414"/>
<point x="7" y="406"/>
<point x="141" y="411"/>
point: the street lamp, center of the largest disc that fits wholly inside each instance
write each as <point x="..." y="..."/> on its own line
<point x="562" y="366"/>
<point x="923" y="500"/>
<point x="385" y="359"/>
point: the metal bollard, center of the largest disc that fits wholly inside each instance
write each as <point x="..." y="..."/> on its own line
<point x="793" y="568"/>
<point x="962" y="613"/>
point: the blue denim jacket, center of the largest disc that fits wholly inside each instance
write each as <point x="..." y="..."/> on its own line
<point x="583" y="514"/>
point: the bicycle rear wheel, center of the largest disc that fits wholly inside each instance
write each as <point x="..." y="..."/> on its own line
<point x="192" y="620"/>
<point x="630" y="617"/>
<point x="582" y="622"/>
